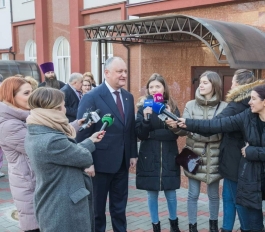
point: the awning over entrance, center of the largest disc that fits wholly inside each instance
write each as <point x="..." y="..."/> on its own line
<point x="239" y="45"/>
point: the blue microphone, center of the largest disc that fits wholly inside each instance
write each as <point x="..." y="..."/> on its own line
<point x="160" y="108"/>
<point x="148" y="102"/>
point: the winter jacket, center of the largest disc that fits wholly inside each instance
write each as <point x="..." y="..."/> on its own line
<point x="63" y="195"/>
<point x="21" y="177"/>
<point x="156" y="167"/>
<point x="230" y="147"/>
<point x="200" y="108"/>
<point x="251" y="169"/>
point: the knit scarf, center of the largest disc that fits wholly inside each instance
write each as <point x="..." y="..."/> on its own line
<point x="52" y="118"/>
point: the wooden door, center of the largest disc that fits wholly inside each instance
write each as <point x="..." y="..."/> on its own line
<point x="225" y="73"/>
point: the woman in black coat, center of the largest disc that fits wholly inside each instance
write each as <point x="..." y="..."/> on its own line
<point x="251" y="179"/>
<point x="230" y="149"/>
<point x="156" y="169"/>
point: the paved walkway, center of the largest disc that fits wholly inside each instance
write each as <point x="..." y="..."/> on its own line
<point x="137" y="210"/>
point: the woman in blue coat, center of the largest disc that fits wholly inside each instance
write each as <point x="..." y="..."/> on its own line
<point x="156" y="168"/>
<point x="251" y="179"/>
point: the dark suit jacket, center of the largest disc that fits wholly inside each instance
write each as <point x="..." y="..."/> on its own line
<point x="43" y="84"/>
<point x="120" y="138"/>
<point x="71" y="102"/>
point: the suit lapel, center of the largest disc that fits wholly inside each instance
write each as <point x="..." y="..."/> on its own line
<point x="108" y="99"/>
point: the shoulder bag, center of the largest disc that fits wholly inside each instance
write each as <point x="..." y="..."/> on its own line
<point x="188" y="159"/>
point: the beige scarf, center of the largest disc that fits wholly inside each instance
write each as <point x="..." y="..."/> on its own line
<point x="52" y="118"/>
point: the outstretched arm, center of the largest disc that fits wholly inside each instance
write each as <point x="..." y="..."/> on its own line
<point x="227" y="124"/>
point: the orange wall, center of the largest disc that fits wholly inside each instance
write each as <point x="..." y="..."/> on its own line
<point x="58" y="22"/>
<point x="23" y="34"/>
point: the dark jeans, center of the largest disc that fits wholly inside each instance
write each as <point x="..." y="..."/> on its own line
<point x="255" y="219"/>
<point x="230" y="207"/>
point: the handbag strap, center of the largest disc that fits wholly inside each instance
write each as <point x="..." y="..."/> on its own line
<point x="216" y="109"/>
<point x="205" y="145"/>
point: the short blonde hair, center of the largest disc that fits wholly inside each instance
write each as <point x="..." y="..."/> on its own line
<point x="34" y="84"/>
<point x="46" y="98"/>
<point x="89" y="74"/>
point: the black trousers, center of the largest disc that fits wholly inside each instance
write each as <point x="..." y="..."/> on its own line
<point x="116" y="185"/>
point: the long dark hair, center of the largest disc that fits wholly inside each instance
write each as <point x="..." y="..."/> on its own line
<point x="157" y="77"/>
<point x="260" y="89"/>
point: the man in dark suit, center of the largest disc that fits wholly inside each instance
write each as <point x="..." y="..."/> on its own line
<point x="117" y="151"/>
<point x="73" y="93"/>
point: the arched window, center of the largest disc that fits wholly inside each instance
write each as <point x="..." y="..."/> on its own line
<point x="30" y="52"/>
<point x="62" y="59"/>
<point x="94" y="58"/>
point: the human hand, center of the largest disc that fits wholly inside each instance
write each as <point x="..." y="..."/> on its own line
<point x="181" y="122"/>
<point x="243" y="150"/>
<point x="90" y="171"/>
<point x="97" y="136"/>
<point x="81" y="122"/>
<point x="147" y="110"/>
<point x="133" y="162"/>
<point x="168" y="108"/>
<point x="171" y="123"/>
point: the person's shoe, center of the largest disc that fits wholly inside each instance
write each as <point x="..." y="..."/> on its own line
<point x="156" y="227"/>
<point x="174" y="225"/>
<point x="2" y="174"/>
<point x="193" y="228"/>
<point x="213" y="225"/>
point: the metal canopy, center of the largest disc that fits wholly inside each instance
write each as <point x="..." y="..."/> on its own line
<point x="239" y="45"/>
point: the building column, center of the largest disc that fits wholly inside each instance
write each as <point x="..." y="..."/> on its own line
<point x="41" y="23"/>
<point x="77" y="36"/>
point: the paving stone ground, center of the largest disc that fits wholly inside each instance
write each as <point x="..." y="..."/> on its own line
<point x="138" y="218"/>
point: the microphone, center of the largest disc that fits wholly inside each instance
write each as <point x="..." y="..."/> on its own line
<point x="148" y="102"/>
<point x="158" y="97"/>
<point x="107" y="121"/>
<point x="90" y="117"/>
<point x="160" y="108"/>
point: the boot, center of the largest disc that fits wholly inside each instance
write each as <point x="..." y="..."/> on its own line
<point x="156" y="227"/>
<point x="213" y="225"/>
<point x="193" y="228"/>
<point x="222" y="230"/>
<point x="174" y="225"/>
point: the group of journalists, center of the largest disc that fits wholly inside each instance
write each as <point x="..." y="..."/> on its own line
<point x="49" y="169"/>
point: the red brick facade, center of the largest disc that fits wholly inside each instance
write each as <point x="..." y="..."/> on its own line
<point x="55" y="18"/>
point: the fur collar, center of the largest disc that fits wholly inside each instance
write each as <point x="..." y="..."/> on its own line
<point x="140" y="102"/>
<point x="242" y="91"/>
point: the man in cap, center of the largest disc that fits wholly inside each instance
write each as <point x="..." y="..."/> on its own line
<point x="50" y="77"/>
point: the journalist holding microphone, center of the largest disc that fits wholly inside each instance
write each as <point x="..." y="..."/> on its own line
<point x="156" y="167"/>
<point x="63" y="194"/>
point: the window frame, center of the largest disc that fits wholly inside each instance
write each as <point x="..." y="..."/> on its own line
<point x="66" y="59"/>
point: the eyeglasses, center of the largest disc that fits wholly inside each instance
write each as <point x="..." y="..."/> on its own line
<point x="86" y="85"/>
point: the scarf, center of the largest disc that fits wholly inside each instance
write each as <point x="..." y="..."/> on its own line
<point x="52" y="118"/>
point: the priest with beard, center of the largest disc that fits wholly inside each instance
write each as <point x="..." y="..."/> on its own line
<point x="50" y="77"/>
